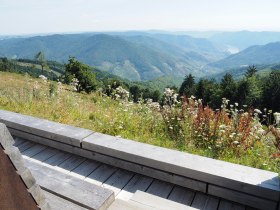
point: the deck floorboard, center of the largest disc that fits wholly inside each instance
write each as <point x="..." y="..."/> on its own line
<point x="122" y="182"/>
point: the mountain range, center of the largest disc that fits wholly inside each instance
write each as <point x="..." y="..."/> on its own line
<point x="141" y="56"/>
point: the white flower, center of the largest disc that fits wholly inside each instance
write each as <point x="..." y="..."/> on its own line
<point x="257" y="111"/>
<point x="235" y="142"/>
<point x="236" y="104"/>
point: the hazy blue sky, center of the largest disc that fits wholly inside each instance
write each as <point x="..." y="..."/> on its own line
<point x="41" y="16"/>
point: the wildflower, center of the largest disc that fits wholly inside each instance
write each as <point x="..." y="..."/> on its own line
<point x="43" y="78"/>
<point x="276" y="117"/>
<point x="235" y="142"/>
<point x="236" y="104"/>
<point x="257" y="111"/>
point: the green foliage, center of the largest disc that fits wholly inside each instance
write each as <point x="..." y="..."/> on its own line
<point x="82" y="72"/>
<point x="188" y="86"/>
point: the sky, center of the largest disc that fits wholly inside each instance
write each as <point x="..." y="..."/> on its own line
<point x="19" y="17"/>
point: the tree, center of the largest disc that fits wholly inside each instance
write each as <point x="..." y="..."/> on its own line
<point x="82" y="72"/>
<point x="251" y="71"/>
<point x="188" y="86"/>
<point x="40" y="57"/>
<point x="271" y="92"/>
<point x="228" y="87"/>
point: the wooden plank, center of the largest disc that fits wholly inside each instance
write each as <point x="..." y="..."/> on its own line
<point x="182" y="195"/>
<point x="131" y="166"/>
<point x="58" y="203"/>
<point x="73" y="189"/>
<point x="157" y="202"/>
<point x="71" y="163"/>
<point x="241" y="178"/>
<point x="242" y="198"/>
<point x="45" y="154"/>
<point x="26" y="145"/>
<point x="85" y="169"/>
<point x="45" y="128"/>
<point x="160" y="188"/>
<point x="35" y="149"/>
<point x="123" y="205"/>
<point x="118" y="180"/>
<point x="58" y="158"/>
<point x="226" y="205"/>
<point x="18" y="141"/>
<point x="138" y="182"/>
<point x="205" y="202"/>
<point x="101" y="174"/>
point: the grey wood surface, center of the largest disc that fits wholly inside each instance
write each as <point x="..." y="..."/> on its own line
<point x="259" y="182"/>
<point x="58" y="203"/>
<point x="182" y="195"/>
<point x="160" y="188"/>
<point x="242" y="198"/>
<point x="71" y="163"/>
<point x="205" y="202"/>
<point x="157" y="202"/>
<point x="85" y="169"/>
<point x="35" y="149"/>
<point x="138" y="182"/>
<point x="122" y="182"/>
<point x="72" y="189"/>
<point x="226" y="205"/>
<point x="118" y="180"/>
<point x="45" y="128"/>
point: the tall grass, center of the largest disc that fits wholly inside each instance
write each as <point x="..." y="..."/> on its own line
<point x="230" y="133"/>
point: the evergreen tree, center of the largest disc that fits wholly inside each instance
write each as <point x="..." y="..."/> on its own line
<point x="271" y="91"/>
<point x="228" y="87"/>
<point x="251" y="71"/>
<point x="188" y="86"/>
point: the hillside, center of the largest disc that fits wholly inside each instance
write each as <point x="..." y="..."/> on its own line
<point x="245" y="39"/>
<point x="131" y="57"/>
<point x="262" y="54"/>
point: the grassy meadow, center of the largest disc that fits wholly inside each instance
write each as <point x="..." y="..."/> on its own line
<point x="229" y="134"/>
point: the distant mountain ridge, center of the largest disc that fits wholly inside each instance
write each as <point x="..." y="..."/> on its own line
<point x="260" y="54"/>
<point x="132" y="57"/>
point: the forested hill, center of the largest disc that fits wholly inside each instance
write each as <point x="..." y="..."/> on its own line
<point x="126" y="56"/>
<point x="261" y="54"/>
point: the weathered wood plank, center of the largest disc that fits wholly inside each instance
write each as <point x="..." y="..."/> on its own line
<point x="157" y="202"/>
<point x="58" y="203"/>
<point x="58" y="158"/>
<point x="71" y="163"/>
<point x="35" y="149"/>
<point x="242" y="198"/>
<point x="26" y="145"/>
<point x="45" y="154"/>
<point x="250" y="180"/>
<point x="101" y="174"/>
<point x="41" y="127"/>
<point x="124" y="205"/>
<point x="182" y="195"/>
<point x="118" y="180"/>
<point x="18" y="141"/>
<point x="205" y="202"/>
<point x="73" y="189"/>
<point x="85" y="169"/>
<point x="160" y="188"/>
<point x="138" y="182"/>
<point x="226" y="205"/>
<point x="141" y="169"/>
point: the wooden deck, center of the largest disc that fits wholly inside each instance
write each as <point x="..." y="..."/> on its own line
<point x="122" y="182"/>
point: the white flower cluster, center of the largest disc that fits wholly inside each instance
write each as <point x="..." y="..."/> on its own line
<point x="153" y="105"/>
<point x="170" y="97"/>
<point x="277" y="117"/>
<point x="122" y="93"/>
<point x="75" y="84"/>
<point x="43" y="78"/>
